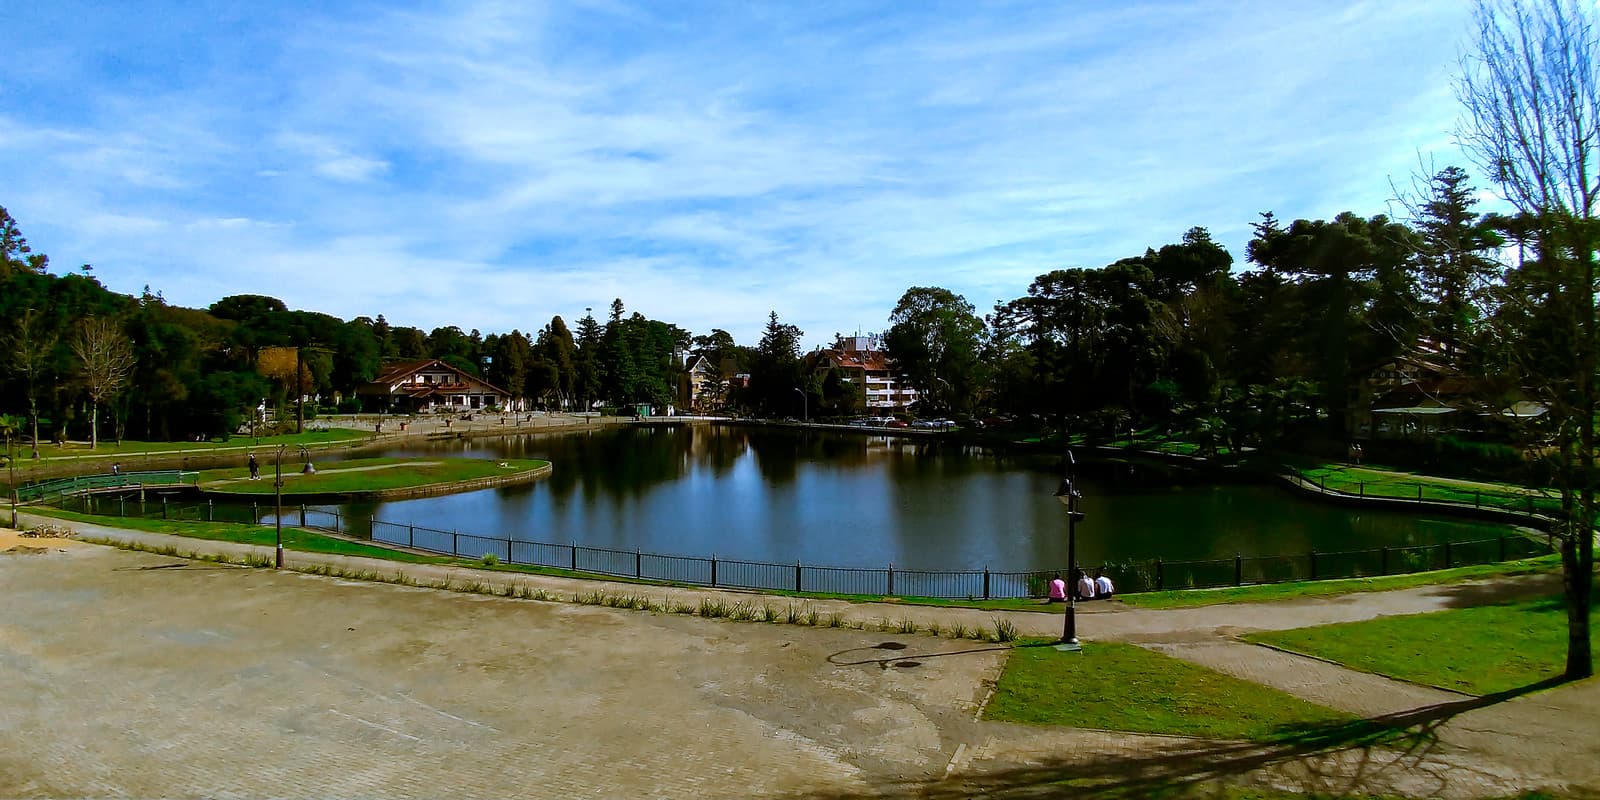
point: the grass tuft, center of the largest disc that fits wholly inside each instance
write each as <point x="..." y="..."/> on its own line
<point x="1004" y="630"/>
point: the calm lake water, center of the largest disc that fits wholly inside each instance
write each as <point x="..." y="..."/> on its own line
<point x="867" y="501"/>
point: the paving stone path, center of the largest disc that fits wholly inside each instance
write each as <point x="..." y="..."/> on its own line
<point x="139" y="674"/>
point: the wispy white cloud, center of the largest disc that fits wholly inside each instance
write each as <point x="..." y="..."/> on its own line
<point x="491" y="164"/>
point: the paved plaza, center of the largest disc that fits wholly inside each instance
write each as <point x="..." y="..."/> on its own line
<point x="133" y="674"/>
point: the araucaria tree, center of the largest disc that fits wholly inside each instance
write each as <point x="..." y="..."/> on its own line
<point x="106" y="357"/>
<point x="1531" y="92"/>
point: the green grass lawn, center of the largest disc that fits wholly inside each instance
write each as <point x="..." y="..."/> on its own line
<point x="1126" y="688"/>
<point x="293" y="538"/>
<point x="1188" y="598"/>
<point x="1479" y="650"/>
<point x="130" y="446"/>
<point x="363" y="475"/>
<point x="1374" y="481"/>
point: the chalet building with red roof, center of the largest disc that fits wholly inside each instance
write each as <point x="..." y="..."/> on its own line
<point x="433" y="385"/>
<point x="861" y="361"/>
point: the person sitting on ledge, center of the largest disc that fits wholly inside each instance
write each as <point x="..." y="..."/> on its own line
<point x="1058" y="590"/>
<point x="1085" y="586"/>
<point x="1102" y="585"/>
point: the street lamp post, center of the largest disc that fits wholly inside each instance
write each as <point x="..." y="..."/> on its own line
<point x="1068" y="494"/>
<point x="277" y="517"/>
<point x="11" y="465"/>
<point x="805" y="406"/>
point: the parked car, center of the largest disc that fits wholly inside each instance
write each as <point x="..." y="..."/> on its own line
<point x="896" y="423"/>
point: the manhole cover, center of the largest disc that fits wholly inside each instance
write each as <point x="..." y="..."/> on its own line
<point x="889" y="646"/>
<point x="908" y="663"/>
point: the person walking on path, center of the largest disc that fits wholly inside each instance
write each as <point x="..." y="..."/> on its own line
<point x="255" y="469"/>
<point x="1058" y="589"/>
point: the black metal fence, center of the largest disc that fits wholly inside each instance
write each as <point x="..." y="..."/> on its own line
<point x="1129" y="576"/>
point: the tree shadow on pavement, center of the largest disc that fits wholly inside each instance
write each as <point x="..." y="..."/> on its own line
<point x="1360" y="757"/>
<point x="1468" y="595"/>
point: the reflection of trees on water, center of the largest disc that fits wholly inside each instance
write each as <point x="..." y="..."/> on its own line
<point x="717" y="448"/>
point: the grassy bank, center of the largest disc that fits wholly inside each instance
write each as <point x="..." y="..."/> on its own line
<point x="1188" y="598"/>
<point x="1377" y="481"/>
<point x="1481" y="650"/>
<point x="1127" y="688"/>
<point x="363" y="475"/>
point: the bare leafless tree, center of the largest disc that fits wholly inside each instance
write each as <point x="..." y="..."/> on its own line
<point x="29" y="347"/>
<point x="1531" y="93"/>
<point x="106" y="356"/>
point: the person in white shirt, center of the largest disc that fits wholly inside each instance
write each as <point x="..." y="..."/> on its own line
<point x="1085" y="586"/>
<point x="1102" y="585"/>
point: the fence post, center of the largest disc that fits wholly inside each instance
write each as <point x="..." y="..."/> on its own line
<point x="411" y="536"/>
<point x="508" y="550"/>
<point x="1313" y="565"/>
<point x="1160" y="578"/>
<point x="574" y="556"/>
<point x="638" y="565"/>
<point x="255" y="513"/>
<point x="163" y="506"/>
<point x="455" y="540"/>
<point x="1447" y="554"/>
<point x="1419" y="492"/>
<point x="1363" y="486"/>
<point x="1502" y="547"/>
<point x="713" y="569"/>
<point x="986" y="581"/>
<point x="1383" y="560"/>
<point x="890" y="593"/>
<point x="797" y="576"/>
<point x="1477" y="499"/>
<point x="1238" y="569"/>
<point x="338" y="519"/>
<point x="122" y="507"/>
<point x="302" y="515"/>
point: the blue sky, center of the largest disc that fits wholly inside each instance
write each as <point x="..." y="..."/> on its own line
<point x="492" y="164"/>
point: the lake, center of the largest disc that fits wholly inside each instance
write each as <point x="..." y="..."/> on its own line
<point x="843" y="499"/>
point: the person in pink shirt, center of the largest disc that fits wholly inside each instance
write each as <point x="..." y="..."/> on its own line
<point x="1058" y="589"/>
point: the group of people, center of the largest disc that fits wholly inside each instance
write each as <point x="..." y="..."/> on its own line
<point x="1086" y="588"/>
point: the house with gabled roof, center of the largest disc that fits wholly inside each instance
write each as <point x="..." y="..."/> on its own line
<point x="701" y="388"/>
<point x="433" y="385"/>
<point x="862" y="362"/>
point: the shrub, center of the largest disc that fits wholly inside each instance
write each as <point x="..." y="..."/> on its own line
<point x="490" y="559"/>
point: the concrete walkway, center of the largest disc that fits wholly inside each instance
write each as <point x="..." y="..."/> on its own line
<point x="1474" y="747"/>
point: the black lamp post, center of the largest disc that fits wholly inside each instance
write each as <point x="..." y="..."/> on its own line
<point x="1068" y="494"/>
<point x="805" y="405"/>
<point x="11" y="465"/>
<point x="277" y="517"/>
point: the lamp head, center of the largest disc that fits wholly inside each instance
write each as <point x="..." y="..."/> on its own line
<point x="1066" y="493"/>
